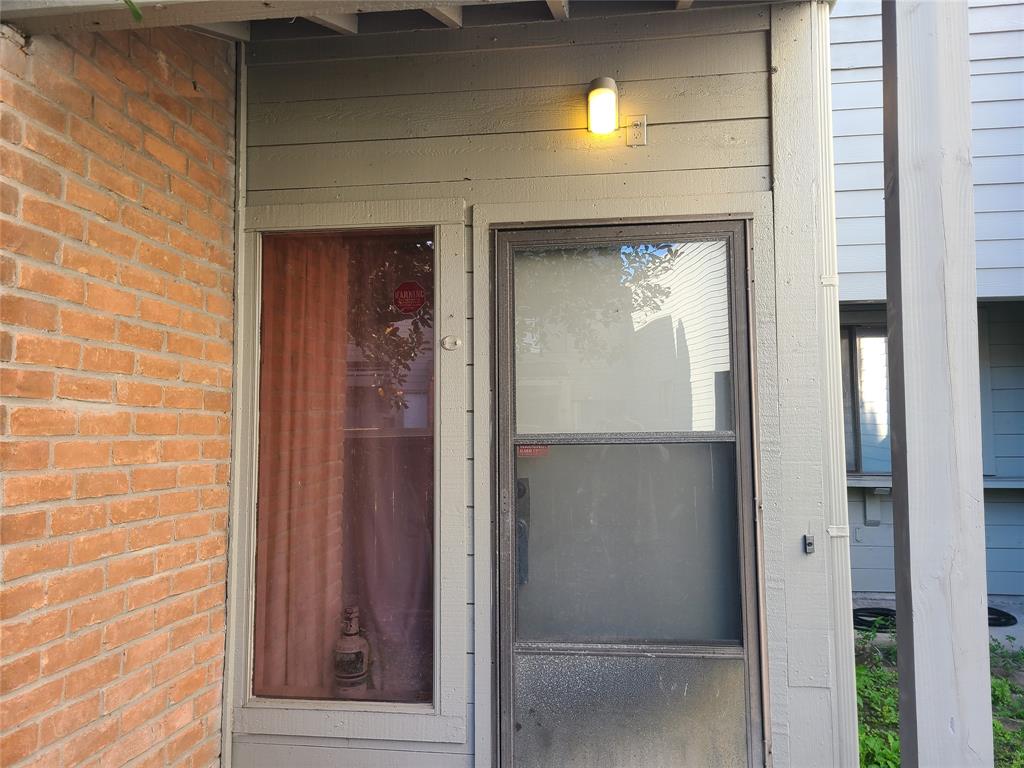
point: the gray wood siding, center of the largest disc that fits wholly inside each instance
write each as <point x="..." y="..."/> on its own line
<point x="497" y="116"/>
<point x="997" y="111"/>
<point x="872" y="548"/>
<point x="871" y="551"/>
<point x="1006" y="379"/>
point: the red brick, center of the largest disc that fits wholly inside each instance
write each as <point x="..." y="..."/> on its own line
<point x="96" y="610"/>
<point x="23" y="526"/>
<point x="95" y="484"/>
<point x="108" y="360"/>
<point x="53" y="217"/>
<point x="110" y="240"/>
<point x="83" y="517"/>
<point x="34" y="558"/>
<point x="86" y="549"/>
<point x="104" y="423"/>
<point x="51" y="282"/>
<point x="41" y="421"/>
<point x="46" y="351"/>
<point x="128" y="568"/>
<point x="29" y="704"/>
<point x="136" y="452"/>
<point x="111" y="300"/>
<point x="100" y="203"/>
<point x="18" y="310"/>
<point x="91" y="264"/>
<point x="117" y="181"/>
<point x="99" y="143"/>
<point x="153" y="478"/>
<point x="84" y="388"/>
<point x="128" y="510"/>
<point x="86" y="326"/>
<point x="69" y="719"/>
<point x="74" y="584"/>
<point x="71" y="652"/>
<point x="17" y="745"/>
<point x="37" y="630"/>
<point x="35" y="385"/>
<point x="27" y="596"/>
<point x="90" y="742"/>
<point x="30" y="172"/>
<point x="57" y="151"/>
<point x="28" y="242"/>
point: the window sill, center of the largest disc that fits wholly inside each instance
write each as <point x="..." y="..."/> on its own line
<point x="885" y="482"/>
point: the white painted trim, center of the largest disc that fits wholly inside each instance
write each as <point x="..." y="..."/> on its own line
<point x="485" y="219"/>
<point x="817" y="722"/>
<point x="935" y="407"/>
<point x="446" y="719"/>
<point x="240" y="360"/>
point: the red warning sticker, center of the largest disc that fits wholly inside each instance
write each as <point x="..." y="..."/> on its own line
<point x="410" y="298"/>
<point x="532" y="451"/>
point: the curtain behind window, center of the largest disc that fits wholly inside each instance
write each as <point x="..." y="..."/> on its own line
<point x="345" y="496"/>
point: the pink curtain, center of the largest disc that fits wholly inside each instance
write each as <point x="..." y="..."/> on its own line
<point x="345" y="496"/>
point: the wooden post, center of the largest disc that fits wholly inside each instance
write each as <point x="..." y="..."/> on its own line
<point x="945" y="711"/>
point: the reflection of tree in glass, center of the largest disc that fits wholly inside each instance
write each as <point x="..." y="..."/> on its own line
<point x="581" y="300"/>
<point x="389" y="339"/>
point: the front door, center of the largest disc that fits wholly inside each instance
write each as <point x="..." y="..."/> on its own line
<point x="627" y="614"/>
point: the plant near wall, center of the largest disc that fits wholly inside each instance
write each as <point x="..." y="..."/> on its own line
<point x="136" y="13"/>
<point x="878" y="702"/>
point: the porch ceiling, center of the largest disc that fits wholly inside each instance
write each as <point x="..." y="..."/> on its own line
<point x="310" y="18"/>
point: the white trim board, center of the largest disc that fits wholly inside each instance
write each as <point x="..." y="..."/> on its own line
<point x="446" y="720"/>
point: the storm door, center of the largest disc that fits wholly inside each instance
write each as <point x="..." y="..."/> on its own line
<point x="626" y="591"/>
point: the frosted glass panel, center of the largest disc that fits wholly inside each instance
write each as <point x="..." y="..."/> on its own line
<point x="609" y="711"/>
<point x="622" y="338"/>
<point x="627" y="543"/>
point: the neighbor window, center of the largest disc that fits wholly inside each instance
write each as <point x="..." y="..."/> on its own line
<point x="866" y="399"/>
<point x="344" y="584"/>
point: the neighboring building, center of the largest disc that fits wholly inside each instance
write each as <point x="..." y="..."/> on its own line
<point x="997" y="96"/>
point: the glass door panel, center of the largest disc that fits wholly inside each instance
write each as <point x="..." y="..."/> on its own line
<point x="624" y="532"/>
<point x="627" y="543"/>
<point x="622" y="337"/>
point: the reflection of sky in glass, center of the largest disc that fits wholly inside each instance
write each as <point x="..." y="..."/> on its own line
<point x="873" y="382"/>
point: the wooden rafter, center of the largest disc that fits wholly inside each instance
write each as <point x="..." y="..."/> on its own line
<point x="559" y="9"/>
<point x="342" y="23"/>
<point x="449" y="15"/>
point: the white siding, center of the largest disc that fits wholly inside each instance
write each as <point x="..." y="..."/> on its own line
<point x="997" y="107"/>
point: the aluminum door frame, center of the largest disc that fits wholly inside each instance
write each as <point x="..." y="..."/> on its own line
<point x="737" y="237"/>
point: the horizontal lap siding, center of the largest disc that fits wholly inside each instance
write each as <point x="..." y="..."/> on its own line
<point x="501" y="117"/>
<point x="872" y="552"/>
<point x="997" y="114"/>
<point x="872" y="546"/>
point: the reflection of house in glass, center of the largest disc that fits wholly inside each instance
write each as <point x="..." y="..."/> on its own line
<point x="651" y="320"/>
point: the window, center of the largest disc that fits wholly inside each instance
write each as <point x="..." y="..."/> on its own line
<point x="344" y="510"/>
<point x="866" y="399"/>
<point x="351" y="421"/>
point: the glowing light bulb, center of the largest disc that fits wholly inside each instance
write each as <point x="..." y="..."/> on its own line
<point x="603" y="106"/>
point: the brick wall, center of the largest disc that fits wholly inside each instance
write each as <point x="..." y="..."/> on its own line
<point x="116" y="230"/>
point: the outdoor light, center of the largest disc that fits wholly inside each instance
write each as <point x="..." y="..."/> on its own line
<point x="603" y="106"/>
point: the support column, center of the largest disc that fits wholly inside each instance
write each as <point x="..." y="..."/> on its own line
<point x="945" y="711"/>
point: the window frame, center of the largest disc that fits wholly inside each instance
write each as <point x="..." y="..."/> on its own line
<point x="872" y="319"/>
<point x="443" y="720"/>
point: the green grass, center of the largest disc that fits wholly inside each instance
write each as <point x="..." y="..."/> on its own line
<point x="878" y="702"/>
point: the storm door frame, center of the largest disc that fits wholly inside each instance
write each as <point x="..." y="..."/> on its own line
<point x="736" y="235"/>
